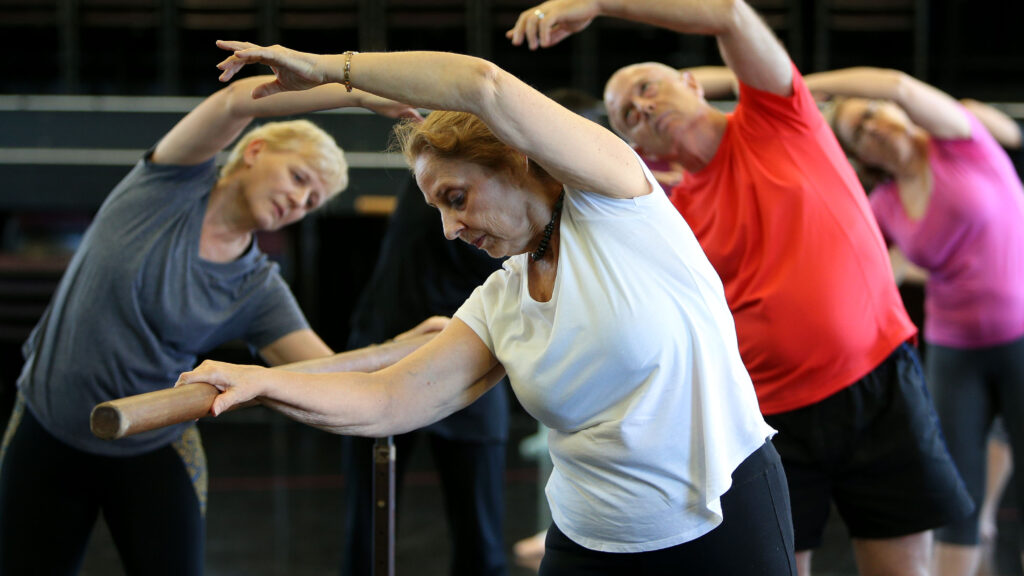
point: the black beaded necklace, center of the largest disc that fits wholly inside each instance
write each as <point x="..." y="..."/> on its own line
<point x="548" y="230"/>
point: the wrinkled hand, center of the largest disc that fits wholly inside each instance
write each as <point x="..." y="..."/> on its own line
<point x="237" y="383"/>
<point x="428" y="326"/>
<point x="390" y="108"/>
<point x="561" y="19"/>
<point x="293" y="70"/>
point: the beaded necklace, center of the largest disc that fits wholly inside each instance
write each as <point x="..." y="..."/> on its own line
<point x="548" y="230"/>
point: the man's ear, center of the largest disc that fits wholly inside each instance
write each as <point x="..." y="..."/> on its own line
<point x="691" y="82"/>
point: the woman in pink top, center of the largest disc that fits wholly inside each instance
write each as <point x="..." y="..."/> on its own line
<point x="953" y="205"/>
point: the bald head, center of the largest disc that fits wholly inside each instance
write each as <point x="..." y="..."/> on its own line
<point x="620" y="85"/>
<point x="652" y="105"/>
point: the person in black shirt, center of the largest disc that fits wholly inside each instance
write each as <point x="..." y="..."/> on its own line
<point x="419" y="274"/>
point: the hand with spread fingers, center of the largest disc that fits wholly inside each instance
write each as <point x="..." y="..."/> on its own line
<point x="549" y="23"/>
<point x="293" y="70"/>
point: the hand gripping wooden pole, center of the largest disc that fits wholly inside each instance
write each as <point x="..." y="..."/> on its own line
<point x="143" y="412"/>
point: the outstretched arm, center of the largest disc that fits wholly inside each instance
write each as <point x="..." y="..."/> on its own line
<point x="747" y="45"/>
<point x="930" y="108"/>
<point x="574" y="150"/>
<point x="999" y="124"/>
<point x="718" y="82"/>
<point x="296" y="346"/>
<point x="445" y="375"/>
<point x="217" y="121"/>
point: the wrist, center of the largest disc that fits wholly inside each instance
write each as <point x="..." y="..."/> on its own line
<point x="346" y="70"/>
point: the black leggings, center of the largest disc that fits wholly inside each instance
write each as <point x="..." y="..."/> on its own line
<point x="970" y="387"/>
<point x="754" y="539"/>
<point x="51" y="495"/>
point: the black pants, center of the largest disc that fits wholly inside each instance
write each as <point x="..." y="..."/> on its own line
<point x="472" y="483"/>
<point x="755" y="537"/>
<point x="970" y="387"/>
<point x="51" y="495"/>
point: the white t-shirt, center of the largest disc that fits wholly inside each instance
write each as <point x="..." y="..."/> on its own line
<point x="633" y="364"/>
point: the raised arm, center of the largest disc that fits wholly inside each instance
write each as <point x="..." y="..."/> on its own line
<point x="747" y="45"/>
<point x="930" y="108"/>
<point x="444" y="375"/>
<point x="574" y="150"/>
<point x="217" y="121"/>
<point x="999" y="124"/>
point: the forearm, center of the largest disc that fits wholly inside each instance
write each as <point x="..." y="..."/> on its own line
<point x="860" y="82"/>
<point x="380" y="404"/>
<point x="684" y="16"/>
<point x="1000" y="125"/>
<point x="748" y="46"/>
<point x="239" y="103"/>
<point x="368" y="359"/>
<point x="718" y="82"/>
<point x="338" y="402"/>
<point x="433" y="80"/>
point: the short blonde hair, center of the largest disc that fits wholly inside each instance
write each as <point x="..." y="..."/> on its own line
<point x="460" y="136"/>
<point x="302" y="136"/>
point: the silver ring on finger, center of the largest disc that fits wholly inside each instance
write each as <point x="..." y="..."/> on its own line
<point x="538" y="14"/>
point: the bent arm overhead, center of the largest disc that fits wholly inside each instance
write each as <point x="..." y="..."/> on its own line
<point x="930" y="108"/>
<point x="215" y="123"/>
<point x="747" y="45"/>
<point x="576" y="151"/>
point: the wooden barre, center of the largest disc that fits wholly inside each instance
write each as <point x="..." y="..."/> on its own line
<point x="143" y="412"/>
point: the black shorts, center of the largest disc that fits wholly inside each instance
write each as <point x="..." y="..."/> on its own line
<point x="875" y="449"/>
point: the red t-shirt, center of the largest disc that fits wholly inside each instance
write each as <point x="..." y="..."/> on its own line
<point x="785" y="222"/>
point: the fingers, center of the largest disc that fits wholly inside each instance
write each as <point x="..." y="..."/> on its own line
<point x="243" y="53"/>
<point x="526" y="28"/>
<point x="224" y="402"/>
<point x="233" y="45"/>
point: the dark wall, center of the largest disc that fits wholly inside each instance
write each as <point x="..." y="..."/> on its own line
<point x="166" y="46"/>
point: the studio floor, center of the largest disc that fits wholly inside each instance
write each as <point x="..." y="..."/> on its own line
<point x="276" y="507"/>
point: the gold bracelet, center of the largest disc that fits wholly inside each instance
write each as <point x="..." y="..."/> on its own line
<point x="347" y="81"/>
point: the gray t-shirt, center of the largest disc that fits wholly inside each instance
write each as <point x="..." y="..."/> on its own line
<point x="137" y="305"/>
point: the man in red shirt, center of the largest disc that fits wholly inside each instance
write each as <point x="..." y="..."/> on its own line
<point x="784" y="220"/>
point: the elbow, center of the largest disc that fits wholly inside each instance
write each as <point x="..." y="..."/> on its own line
<point x="1013" y="137"/>
<point x="732" y="16"/>
<point x="236" y="99"/>
<point x="488" y="82"/>
<point x="900" y="84"/>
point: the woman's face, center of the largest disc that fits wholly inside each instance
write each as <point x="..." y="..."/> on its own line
<point x="877" y="131"/>
<point x="479" y="206"/>
<point x="280" y="187"/>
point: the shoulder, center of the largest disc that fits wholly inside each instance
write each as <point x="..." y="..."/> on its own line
<point x="759" y="107"/>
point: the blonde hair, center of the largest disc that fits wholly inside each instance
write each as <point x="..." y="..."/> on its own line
<point x="460" y="136"/>
<point x="301" y="136"/>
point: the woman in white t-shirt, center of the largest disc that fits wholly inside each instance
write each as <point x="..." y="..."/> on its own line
<point x="607" y="317"/>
